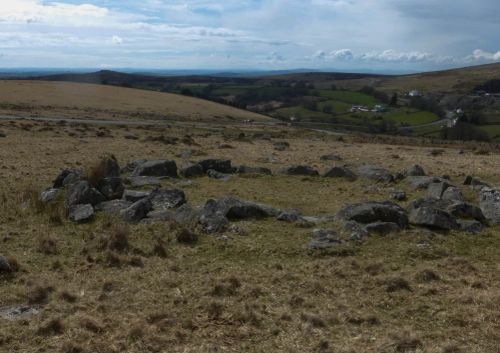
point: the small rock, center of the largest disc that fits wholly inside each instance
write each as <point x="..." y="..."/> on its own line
<point x="331" y="157"/>
<point x="67" y="177"/>
<point x="141" y="181"/>
<point x="137" y="211"/>
<point x="81" y="193"/>
<point x="113" y="207"/>
<point x="489" y="201"/>
<point x="212" y="173"/>
<point x="414" y="170"/>
<point x="437" y="189"/>
<point x="81" y="213"/>
<point x="191" y="170"/>
<point x="382" y="228"/>
<point x="453" y="193"/>
<point x="299" y="170"/>
<point x="324" y="239"/>
<point x="219" y="165"/>
<point x="243" y="169"/>
<point x="131" y="166"/>
<point x="157" y="168"/>
<point x="340" y="172"/>
<point x="470" y="226"/>
<point x="4" y="265"/>
<point x="289" y="216"/>
<point x="433" y="218"/>
<point x="376" y="173"/>
<point x="134" y="196"/>
<point x="281" y="145"/>
<point x="371" y="212"/>
<point x="49" y="195"/>
<point x="163" y="199"/>
<point x="111" y="188"/>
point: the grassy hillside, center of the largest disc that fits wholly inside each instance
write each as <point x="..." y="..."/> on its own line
<point x="63" y="99"/>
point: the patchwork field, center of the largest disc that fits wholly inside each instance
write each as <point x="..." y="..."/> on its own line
<point x="107" y="286"/>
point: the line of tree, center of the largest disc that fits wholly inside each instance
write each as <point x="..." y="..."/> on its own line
<point x="464" y="132"/>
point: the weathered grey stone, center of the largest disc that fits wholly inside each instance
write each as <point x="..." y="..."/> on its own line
<point x="82" y="193"/>
<point x="219" y="165"/>
<point x="243" y="169"/>
<point x="113" y="207"/>
<point x="141" y="181"/>
<point x="382" y="228"/>
<point x="489" y="201"/>
<point x="213" y="222"/>
<point x="414" y="170"/>
<point x="355" y="230"/>
<point x="299" y="170"/>
<point x="234" y="208"/>
<point x="475" y="183"/>
<point x="452" y="193"/>
<point x="434" y="218"/>
<point x="131" y="166"/>
<point x="161" y="215"/>
<point x="324" y="239"/>
<point x="191" y="170"/>
<point x="470" y="226"/>
<point x="112" y="188"/>
<point x="163" y="199"/>
<point x="456" y="208"/>
<point x="81" y="213"/>
<point x="212" y="173"/>
<point x="157" y="168"/>
<point x="340" y="172"/>
<point x="437" y="189"/>
<point x="18" y="312"/>
<point x="187" y="215"/>
<point x="49" y="195"/>
<point x="4" y="265"/>
<point x="134" y="196"/>
<point x="330" y="157"/>
<point x="137" y="211"/>
<point x="67" y="177"/>
<point x="375" y="173"/>
<point x="370" y="212"/>
<point x="422" y="182"/>
<point x="289" y="216"/>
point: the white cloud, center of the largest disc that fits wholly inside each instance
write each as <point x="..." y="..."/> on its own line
<point x="116" y="40"/>
<point x="479" y="54"/>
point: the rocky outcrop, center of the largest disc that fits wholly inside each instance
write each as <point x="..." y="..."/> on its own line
<point x="489" y="201"/>
<point x="82" y="193"/>
<point x="372" y="212"/>
<point x="81" y="213"/>
<point x="340" y="172"/>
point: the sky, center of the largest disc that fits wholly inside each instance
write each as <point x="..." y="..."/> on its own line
<point x="344" y="35"/>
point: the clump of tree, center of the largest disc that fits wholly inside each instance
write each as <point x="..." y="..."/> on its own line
<point x="381" y="96"/>
<point x="465" y="132"/>
<point x="492" y="86"/>
<point x="475" y="117"/>
<point x="427" y="104"/>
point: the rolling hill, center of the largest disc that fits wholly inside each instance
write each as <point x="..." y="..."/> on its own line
<point x="68" y="99"/>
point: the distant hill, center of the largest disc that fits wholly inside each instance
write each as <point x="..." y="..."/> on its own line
<point x="70" y="99"/>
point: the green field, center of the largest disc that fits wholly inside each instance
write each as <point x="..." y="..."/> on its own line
<point x="302" y="113"/>
<point x="337" y="107"/>
<point x="493" y="131"/>
<point x="411" y="117"/>
<point x="349" y="97"/>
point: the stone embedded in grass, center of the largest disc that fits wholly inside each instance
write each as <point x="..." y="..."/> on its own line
<point x="131" y="166"/>
<point x="219" y="165"/>
<point x="163" y="199"/>
<point x="112" y="188"/>
<point x="4" y="265"/>
<point x="137" y="211"/>
<point x="157" y="168"/>
<point x="141" y="181"/>
<point x="455" y="208"/>
<point x="134" y="196"/>
<point x="373" y="211"/>
<point x="470" y="226"/>
<point x="381" y="228"/>
<point x="414" y="170"/>
<point x="437" y="189"/>
<point x="49" y="195"/>
<point x="398" y="195"/>
<point x="18" y="312"/>
<point x="299" y="170"/>
<point x="82" y="193"/>
<point x="81" y="213"/>
<point x="433" y="218"/>
<point x="243" y="169"/>
<point x="324" y="239"/>
<point x="281" y="145"/>
<point x="475" y="183"/>
<point x="375" y="173"/>
<point x="292" y="215"/>
<point x="191" y="170"/>
<point x="331" y="157"/>
<point x="212" y="173"/>
<point x="113" y="207"/>
<point x="452" y="193"/>
<point x="67" y="177"/>
<point x="489" y="201"/>
<point x="422" y="182"/>
<point x="340" y="172"/>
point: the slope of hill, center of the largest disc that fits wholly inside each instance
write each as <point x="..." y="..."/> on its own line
<point x="64" y="99"/>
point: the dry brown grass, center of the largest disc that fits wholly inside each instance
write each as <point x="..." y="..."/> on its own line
<point x="62" y="99"/>
<point x="116" y="288"/>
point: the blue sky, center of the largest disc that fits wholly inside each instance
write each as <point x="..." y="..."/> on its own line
<point x="250" y="34"/>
